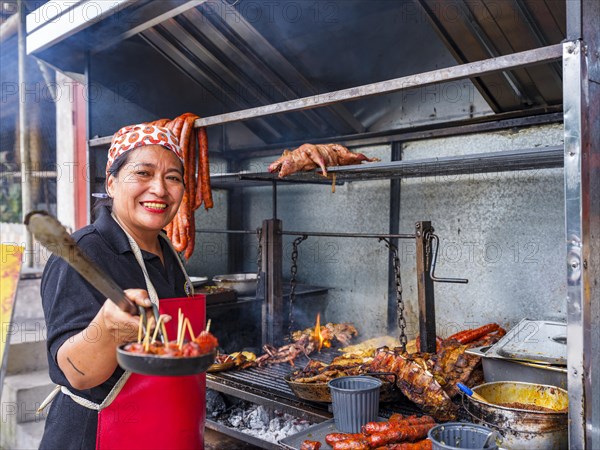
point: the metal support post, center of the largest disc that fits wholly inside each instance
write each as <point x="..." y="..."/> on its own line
<point x="235" y="221"/>
<point x="272" y="309"/>
<point x="425" y="295"/>
<point x="582" y="228"/>
<point x="26" y="206"/>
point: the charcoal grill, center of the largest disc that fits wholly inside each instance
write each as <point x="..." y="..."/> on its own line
<point x="266" y="386"/>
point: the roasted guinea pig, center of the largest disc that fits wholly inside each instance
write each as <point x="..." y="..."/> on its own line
<point x="309" y="156"/>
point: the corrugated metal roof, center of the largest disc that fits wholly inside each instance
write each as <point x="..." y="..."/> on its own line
<point x="220" y="56"/>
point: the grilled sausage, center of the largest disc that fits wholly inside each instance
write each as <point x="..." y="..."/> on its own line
<point x="379" y="427"/>
<point x="409" y="433"/>
<point x="466" y="336"/>
<point x="204" y="169"/>
<point x="425" y="444"/>
<point x="332" y="438"/>
<point x="351" y="444"/>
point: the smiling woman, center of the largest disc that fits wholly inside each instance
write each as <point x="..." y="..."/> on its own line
<point x="145" y="184"/>
<point x="146" y="193"/>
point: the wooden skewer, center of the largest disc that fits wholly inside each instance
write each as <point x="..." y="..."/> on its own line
<point x="147" y="340"/>
<point x="190" y="330"/>
<point x="184" y="327"/>
<point x="157" y="327"/>
<point x="164" y="330"/>
<point x="140" y="326"/>
<point x="208" y="326"/>
<point x="179" y="324"/>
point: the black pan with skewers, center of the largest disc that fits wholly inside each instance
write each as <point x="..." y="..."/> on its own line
<point x="164" y="360"/>
<point x="145" y="364"/>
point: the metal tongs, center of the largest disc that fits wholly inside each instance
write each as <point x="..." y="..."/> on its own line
<point x="49" y="232"/>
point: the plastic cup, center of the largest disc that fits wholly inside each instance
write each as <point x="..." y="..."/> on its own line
<point x="450" y="436"/>
<point x="355" y="402"/>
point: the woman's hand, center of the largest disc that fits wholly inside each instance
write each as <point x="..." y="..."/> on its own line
<point x="122" y="326"/>
<point x="89" y="358"/>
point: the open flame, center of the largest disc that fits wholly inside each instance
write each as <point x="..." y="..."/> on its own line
<point x="318" y="336"/>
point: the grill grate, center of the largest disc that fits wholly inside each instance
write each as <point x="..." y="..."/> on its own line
<point x="266" y="385"/>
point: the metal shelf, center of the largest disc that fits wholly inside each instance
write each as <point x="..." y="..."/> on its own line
<point x="302" y="290"/>
<point x="505" y="161"/>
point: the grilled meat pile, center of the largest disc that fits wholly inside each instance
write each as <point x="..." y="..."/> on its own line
<point x="341" y="332"/>
<point x="309" y="156"/>
<point x="304" y="343"/>
<point x="286" y="353"/>
<point x="320" y="372"/>
<point x="429" y="380"/>
<point x="416" y="381"/>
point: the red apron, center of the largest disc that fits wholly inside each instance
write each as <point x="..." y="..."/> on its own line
<point x="162" y="413"/>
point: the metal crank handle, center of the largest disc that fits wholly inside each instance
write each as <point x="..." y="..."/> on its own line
<point x="433" y="238"/>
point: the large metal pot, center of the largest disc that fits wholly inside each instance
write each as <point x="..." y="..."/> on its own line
<point x="242" y="283"/>
<point x="521" y="428"/>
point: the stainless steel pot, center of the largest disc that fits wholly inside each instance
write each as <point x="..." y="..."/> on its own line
<point x="521" y="428"/>
<point x="497" y="368"/>
<point x="242" y="283"/>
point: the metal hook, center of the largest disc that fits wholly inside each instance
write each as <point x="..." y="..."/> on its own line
<point x="431" y="237"/>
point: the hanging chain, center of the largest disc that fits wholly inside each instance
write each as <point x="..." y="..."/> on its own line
<point x="294" y="271"/>
<point x="400" y="302"/>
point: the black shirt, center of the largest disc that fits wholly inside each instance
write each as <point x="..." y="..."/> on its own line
<point x="70" y="304"/>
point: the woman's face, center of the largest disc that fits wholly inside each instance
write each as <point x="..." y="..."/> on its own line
<point x="148" y="189"/>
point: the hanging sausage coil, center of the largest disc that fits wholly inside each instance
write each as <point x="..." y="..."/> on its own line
<point x="194" y="145"/>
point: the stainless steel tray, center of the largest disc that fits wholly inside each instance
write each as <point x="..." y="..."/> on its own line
<point x="314" y="433"/>
<point x="505" y="369"/>
<point x="537" y="341"/>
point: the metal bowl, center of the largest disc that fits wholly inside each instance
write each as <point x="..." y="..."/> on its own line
<point x="198" y="281"/>
<point x="242" y="283"/>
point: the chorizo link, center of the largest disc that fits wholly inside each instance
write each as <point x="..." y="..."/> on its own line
<point x="192" y="238"/>
<point x="466" y="336"/>
<point x="332" y="438"/>
<point x="160" y="122"/>
<point x="351" y="444"/>
<point x="192" y="183"/>
<point x="409" y="433"/>
<point x="425" y="444"/>
<point x="175" y="233"/>
<point x="204" y="169"/>
<point x="198" y="198"/>
<point x="379" y="427"/>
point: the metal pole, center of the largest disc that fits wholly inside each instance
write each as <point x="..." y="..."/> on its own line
<point x="425" y="289"/>
<point x="274" y="199"/>
<point x="235" y="220"/>
<point x="23" y="132"/>
<point x="272" y="309"/>
<point x="469" y="70"/>
<point x="581" y="217"/>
